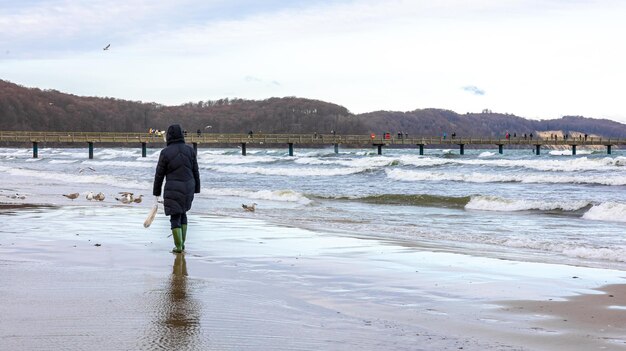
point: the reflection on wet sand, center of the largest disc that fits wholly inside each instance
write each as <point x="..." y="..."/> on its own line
<point x="177" y="322"/>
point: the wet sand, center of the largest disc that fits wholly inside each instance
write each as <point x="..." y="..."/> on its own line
<point x="78" y="278"/>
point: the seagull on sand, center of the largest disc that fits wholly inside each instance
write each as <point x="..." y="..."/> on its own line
<point x="125" y="198"/>
<point x="17" y="196"/>
<point x="89" y="196"/>
<point x="99" y="196"/>
<point x="71" y="196"/>
<point x="249" y="208"/>
<point x="137" y="200"/>
<point x="107" y="47"/>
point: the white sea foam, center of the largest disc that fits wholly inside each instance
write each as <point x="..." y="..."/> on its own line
<point x="63" y="161"/>
<point x="290" y="172"/>
<point x="120" y="164"/>
<point x="368" y="162"/>
<point x="607" y="211"/>
<point x="568" y="165"/>
<point x="494" y="203"/>
<point x="569" y="152"/>
<point x="486" y="154"/>
<point x="315" y="153"/>
<point x="477" y="177"/>
<point x="109" y="154"/>
<point x="531" y="240"/>
<point x="235" y="159"/>
<point x="77" y="178"/>
<point x="569" y="249"/>
<point x="14" y="153"/>
<point x="421" y="161"/>
<point x="272" y="195"/>
<point x="202" y="152"/>
<point x="617" y="254"/>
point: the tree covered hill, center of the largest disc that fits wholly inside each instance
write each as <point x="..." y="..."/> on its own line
<point x="34" y="109"/>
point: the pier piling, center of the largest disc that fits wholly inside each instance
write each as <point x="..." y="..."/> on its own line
<point x="36" y="149"/>
<point x="608" y="149"/>
<point x="573" y="149"/>
<point x="143" y="149"/>
<point x="500" y="149"/>
<point x="380" y="148"/>
<point x="243" y="149"/>
<point x="462" y="149"/>
<point x="336" y="148"/>
<point x="537" y="149"/>
<point x="195" y="148"/>
<point x="90" y="150"/>
<point x="421" y="149"/>
<point x="290" y="149"/>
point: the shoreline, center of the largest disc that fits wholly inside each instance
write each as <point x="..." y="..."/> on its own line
<point x="250" y="284"/>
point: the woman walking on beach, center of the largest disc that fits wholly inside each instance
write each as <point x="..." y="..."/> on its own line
<point x="179" y="166"/>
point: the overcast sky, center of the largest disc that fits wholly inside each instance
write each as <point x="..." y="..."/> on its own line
<point x="532" y="58"/>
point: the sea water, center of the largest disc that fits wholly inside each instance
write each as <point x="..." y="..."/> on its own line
<point x="554" y="207"/>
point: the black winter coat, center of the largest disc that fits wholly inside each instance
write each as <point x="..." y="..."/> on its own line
<point x="179" y="166"/>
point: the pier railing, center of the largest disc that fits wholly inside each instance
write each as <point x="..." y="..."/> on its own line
<point x="380" y="140"/>
<point x="233" y="138"/>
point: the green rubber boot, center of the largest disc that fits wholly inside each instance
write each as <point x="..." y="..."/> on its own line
<point x="184" y="229"/>
<point x="177" y="233"/>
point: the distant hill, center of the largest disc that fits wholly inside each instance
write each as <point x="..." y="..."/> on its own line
<point x="34" y="109"/>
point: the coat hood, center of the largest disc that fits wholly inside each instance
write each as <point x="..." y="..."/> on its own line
<point x="174" y="134"/>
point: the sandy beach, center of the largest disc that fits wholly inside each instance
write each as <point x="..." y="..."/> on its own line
<point x="80" y="277"/>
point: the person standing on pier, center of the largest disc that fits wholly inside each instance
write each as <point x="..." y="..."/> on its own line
<point x="179" y="167"/>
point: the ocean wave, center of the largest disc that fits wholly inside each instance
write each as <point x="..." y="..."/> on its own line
<point x="272" y="195"/>
<point x="575" y="249"/>
<point x="109" y="154"/>
<point x="14" y="153"/>
<point x="494" y="203"/>
<point x="289" y="172"/>
<point x="569" y="152"/>
<point x="121" y="164"/>
<point x="368" y="162"/>
<point x="477" y="177"/>
<point x="474" y="202"/>
<point x="569" y="165"/>
<point x="235" y="159"/>
<point x="607" y="211"/>
<point x="410" y="199"/>
<point x="78" y="178"/>
<point x="63" y="161"/>
<point x="486" y="154"/>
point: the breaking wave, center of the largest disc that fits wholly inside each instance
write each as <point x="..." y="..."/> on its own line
<point x="411" y="200"/>
<point x="607" y="211"/>
<point x="477" y="177"/>
<point x="289" y="172"/>
<point x="78" y="178"/>
<point x="272" y="195"/>
<point x="569" y="165"/>
<point x="494" y="203"/>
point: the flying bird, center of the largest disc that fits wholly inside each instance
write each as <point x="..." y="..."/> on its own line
<point x="71" y="196"/>
<point x="107" y="47"/>
<point x="249" y="208"/>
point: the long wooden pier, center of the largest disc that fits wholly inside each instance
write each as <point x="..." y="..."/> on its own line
<point x="378" y="141"/>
